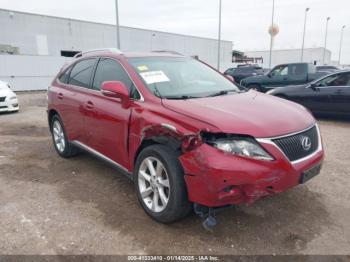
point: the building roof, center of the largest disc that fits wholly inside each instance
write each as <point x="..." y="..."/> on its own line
<point x="106" y="24"/>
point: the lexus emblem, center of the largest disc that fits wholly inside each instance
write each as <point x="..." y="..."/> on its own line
<point x="306" y="143"/>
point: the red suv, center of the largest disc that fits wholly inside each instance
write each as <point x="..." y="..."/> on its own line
<point x="181" y="130"/>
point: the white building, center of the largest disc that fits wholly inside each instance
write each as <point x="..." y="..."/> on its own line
<point x="311" y="55"/>
<point x="40" y="44"/>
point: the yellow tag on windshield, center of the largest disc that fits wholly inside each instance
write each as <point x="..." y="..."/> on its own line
<point x="142" y="68"/>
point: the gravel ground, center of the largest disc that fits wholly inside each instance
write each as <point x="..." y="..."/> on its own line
<point x="49" y="205"/>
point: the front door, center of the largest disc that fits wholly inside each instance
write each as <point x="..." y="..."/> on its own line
<point x="277" y="77"/>
<point x="341" y="94"/>
<point x="107" y="123"/>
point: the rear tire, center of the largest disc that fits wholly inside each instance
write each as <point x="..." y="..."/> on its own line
<point x="255" y="87"/>
<point x="160" y="184"/>
<point x="63" y="147"/>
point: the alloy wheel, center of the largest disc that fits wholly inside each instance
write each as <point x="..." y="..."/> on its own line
<point x="153" y="183"/>
<point x="58" y="136"/>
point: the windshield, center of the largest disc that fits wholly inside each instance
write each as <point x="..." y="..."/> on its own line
<point x="181" y="78"/>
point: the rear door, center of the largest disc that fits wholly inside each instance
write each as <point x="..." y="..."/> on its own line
<point x="297" y="74"/>
<point x="70" y="97"/>
<point x="107" y="124"/>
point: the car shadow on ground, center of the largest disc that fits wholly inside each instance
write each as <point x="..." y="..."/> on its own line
<point x="286" y="222"/>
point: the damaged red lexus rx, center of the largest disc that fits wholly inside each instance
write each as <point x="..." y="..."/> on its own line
<point x="183" y="132"/>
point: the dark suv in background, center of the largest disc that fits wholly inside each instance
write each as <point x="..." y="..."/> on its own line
<point x="244" y="71"/>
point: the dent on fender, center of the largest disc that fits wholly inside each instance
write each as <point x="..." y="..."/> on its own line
<point x="166" y="133"/>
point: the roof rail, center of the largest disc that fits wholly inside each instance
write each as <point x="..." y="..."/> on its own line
<point x="112" y="50"/>
<point x="166" y="51"/>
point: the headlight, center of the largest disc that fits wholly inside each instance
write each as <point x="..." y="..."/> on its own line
<point x="243" y="147"/>
<point x="269" y="92"/>
<point x="13" y="97"/>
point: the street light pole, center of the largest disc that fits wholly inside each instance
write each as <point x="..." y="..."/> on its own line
<point x="341" y="43"/>
<point x="219" y="36"/>
<point x="325" y="39"/>
<point x="271" y="39"/>
<point x="302" y="47"/>
<point x="117" y="23"/>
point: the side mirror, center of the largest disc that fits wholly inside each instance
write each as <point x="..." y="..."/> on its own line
<point x="116" y="89"/>
<point x="230" y="78"/>
<point x="271" y="74"/>
<point x="314" y="86"/>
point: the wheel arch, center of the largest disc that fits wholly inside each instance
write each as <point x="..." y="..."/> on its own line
<point x="167" y="140"/>
<point x="51" y="114"/>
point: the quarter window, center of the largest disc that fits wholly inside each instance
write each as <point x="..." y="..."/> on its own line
<point x="81" y="73"/>
<point x="64" y="78"/>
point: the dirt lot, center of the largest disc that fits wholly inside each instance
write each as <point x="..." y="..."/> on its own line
<point x="49" y="205"/>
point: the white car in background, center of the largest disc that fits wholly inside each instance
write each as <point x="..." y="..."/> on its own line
<point x="8" y="99"/>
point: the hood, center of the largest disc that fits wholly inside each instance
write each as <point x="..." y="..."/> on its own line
<point x="250" y="113"/>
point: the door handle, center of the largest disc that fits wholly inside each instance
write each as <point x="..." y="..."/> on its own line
<point x="60" y="96"/>
<point x="89" y="105"/>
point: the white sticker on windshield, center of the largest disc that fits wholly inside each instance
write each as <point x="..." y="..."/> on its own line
<point x="154" y="77"/>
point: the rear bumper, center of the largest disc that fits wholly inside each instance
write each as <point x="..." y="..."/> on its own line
<point x="217" y="179"/>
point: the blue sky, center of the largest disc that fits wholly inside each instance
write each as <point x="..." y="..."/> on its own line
<point x="245" y="22"/>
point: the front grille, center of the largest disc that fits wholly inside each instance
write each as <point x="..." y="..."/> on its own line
<point x="292" y="146"/>
<point x="2" y="99"/>
<point x="3" y="107"/>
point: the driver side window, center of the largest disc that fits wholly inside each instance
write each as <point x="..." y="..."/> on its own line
<point x="335" y="80"/>
<point x="280" y="71"/>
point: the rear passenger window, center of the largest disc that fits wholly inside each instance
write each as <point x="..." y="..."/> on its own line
<point x="81" y="73"/>
<point x="110" y="70"/>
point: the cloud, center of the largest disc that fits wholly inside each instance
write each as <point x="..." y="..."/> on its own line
<point x="245" y="22"/>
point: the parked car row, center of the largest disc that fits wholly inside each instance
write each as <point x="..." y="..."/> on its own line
<point x="282" y="75"/>
<point x="327" y="95"/>
<point x="8" y="99"/>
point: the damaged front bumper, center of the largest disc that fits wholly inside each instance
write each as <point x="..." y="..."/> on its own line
<point x="216" y="179"/>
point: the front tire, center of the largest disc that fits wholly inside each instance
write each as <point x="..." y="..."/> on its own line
<point x="160" y="184"/>
<point x="63" y="147"/>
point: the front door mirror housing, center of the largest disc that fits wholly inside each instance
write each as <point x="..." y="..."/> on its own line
<point x="116" y="89"/>
<point x="314" y="86"/>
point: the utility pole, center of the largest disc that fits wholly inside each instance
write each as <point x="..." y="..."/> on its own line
<point x="341" y="43"/>
<point x="271" y="40"/>
<point x="219" y="36"/>
<point x="302" y="47"/>
<point x="117" y="23"/>
<point x="325" y="40"/>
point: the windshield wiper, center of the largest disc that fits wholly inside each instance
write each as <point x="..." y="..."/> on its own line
<point x="222" y="93"/>
<point x="184" y="97"/>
